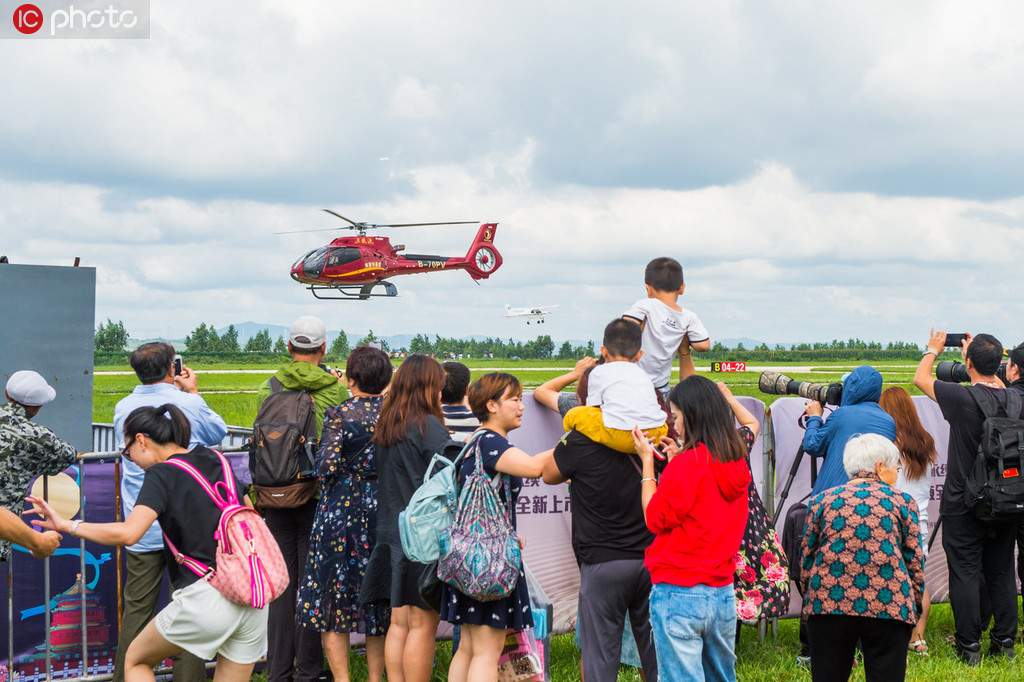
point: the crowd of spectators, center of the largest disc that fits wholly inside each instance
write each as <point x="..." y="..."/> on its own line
<point x="674" y="546"/>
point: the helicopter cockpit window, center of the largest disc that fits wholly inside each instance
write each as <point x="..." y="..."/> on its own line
<point x="313" y="264"/>
<point x="343" y="256"/>
<point x="302" y="259"/>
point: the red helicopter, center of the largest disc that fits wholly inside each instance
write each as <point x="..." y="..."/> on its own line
<point x="353" y="266"/>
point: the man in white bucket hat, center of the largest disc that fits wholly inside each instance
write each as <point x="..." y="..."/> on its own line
<point x="27" y="451"/>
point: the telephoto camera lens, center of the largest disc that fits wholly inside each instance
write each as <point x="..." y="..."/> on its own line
<point x="955" y="372"/>
<point x="777" y="383"/>
<point x="951" y="371"/>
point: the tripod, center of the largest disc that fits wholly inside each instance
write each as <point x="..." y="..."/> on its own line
<point x="793" y="469"/>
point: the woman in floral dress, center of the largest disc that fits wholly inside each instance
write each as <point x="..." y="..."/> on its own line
<point x="346" y="520"/>
<point x="762" y="576"/>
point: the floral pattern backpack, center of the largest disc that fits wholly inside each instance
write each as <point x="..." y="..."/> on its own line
<point x="479" y="553"/>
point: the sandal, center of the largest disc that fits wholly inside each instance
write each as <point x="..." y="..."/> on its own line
<point x="919" y="647"/>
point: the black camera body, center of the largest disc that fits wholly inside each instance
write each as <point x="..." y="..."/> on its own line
<point x="777" y="383"/>
<point x="955" y="372"/>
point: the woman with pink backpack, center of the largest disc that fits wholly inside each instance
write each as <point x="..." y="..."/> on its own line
<point x="227" y="567"/>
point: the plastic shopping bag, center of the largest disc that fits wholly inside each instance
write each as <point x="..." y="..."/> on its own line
<point x="521" y="659"/>
<point x="543" y="616"/>
<point x="540" y="605"/>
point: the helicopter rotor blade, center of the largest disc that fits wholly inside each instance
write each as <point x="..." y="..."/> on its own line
<point x="462" y="222"/>
<point x="325" y="229"/>
<point x="373" y="226"/>
<point x="338" y="215"/>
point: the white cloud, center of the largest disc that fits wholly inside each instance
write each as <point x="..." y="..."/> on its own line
<point x="296" y="103"/>
<point x="765" y="257"/>
<point x="414" y="100"/>
<point x="821" y="170"/>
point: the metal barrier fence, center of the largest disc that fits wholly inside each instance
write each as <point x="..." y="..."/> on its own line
<point x="104" y="439"/>
<point x="101" y="457"/>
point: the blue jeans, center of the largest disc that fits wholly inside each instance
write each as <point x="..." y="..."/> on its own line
<point x="694" y="632"/>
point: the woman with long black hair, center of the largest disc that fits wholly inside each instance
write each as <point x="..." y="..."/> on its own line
<point x="697" y="511"/>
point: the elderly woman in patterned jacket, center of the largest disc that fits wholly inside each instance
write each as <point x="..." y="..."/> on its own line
<point x="863" y="568"/>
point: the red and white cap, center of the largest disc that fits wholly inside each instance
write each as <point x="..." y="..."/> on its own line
<point x="30" y="389"/>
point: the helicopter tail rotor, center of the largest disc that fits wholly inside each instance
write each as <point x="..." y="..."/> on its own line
<point x="483" y="258"/>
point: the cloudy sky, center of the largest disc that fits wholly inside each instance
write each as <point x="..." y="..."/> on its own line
<point x="821" y="170"/>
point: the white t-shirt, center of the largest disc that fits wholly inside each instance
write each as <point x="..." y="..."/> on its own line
<point x="626" y="396"/>
<point x="920" y="490"/>
<point x="664" y="329"/>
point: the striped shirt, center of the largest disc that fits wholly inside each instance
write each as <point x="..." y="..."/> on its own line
<point x="459" y="420"/>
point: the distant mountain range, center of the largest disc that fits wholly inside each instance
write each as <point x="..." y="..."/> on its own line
<point x="247" y="330"/>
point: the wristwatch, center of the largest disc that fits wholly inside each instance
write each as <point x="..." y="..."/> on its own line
<point x="929" y="351"/>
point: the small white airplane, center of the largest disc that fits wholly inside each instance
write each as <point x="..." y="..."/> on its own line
<point x="536" y="313"/>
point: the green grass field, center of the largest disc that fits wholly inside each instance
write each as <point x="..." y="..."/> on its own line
<point x="233" y="395"/>
<point x="773" y="660"/>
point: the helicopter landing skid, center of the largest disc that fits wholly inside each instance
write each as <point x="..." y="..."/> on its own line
<point x="353" y="292"/>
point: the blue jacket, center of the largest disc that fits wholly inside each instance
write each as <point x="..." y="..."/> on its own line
<point x="858" y="413"/>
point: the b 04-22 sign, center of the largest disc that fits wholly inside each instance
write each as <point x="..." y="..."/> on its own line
<point x="728" y="367"/>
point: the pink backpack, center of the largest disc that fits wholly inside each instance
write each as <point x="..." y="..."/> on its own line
<point x="250" y="568"/>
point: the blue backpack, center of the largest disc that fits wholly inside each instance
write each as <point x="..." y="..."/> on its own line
<point x="431" y="508"/>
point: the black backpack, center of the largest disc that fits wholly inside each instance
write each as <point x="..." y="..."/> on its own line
<point x="793" y="529"/>
<point x="994" y="486"/>
<point x="281" y="452"/>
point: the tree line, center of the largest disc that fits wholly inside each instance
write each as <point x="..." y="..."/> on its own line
<point x="542" y="347"/>
<point x="111" y="339"/>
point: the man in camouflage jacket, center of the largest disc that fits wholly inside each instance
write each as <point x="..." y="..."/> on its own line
<point x="27" y="450"/>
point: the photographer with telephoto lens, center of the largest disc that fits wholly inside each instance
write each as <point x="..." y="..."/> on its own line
<point x="858" y="413"/>
<point x="974" y="550"/>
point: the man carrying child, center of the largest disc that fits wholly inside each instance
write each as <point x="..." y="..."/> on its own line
<point x="620" y="395"/>
<point x="609" y="534"/>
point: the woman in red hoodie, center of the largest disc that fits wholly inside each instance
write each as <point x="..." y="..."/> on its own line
<point x="697" y="511"/>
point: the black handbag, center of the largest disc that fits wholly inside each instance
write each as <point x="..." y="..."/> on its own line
<point x="792" y="539"/>
<point x="429" y="585"/>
